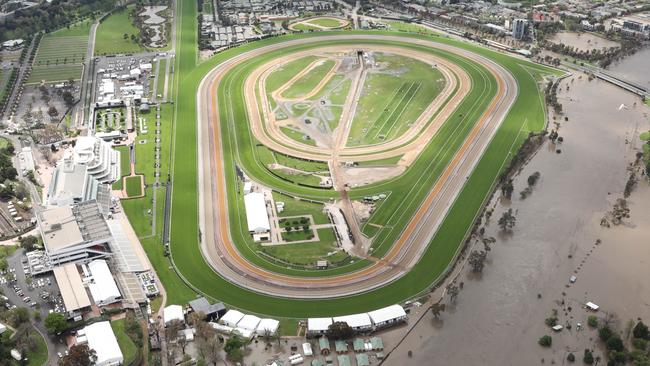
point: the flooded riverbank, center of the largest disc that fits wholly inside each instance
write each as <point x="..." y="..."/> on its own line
<point x="499" y="314"/>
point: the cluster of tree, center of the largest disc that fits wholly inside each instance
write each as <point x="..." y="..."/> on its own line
<point x="604" y="56"/>
<point x="507" y="221"/>
<point x="7" y="170"/>
<point x="207" y="343"/>
<point x="629" y="186"/>
<point x="550" y="95"/>
<point x="9" y="85"/>
<point x="79" y="355"/>
<point x="339" y="330"/>
<point x="49" y="16"/>
<point x="532" y="181"/>
<point x="546" y="30"/>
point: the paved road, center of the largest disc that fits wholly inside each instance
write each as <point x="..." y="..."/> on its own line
<point x="222" y="254"/>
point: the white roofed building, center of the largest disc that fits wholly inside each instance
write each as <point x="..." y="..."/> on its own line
<point x="256" y="214"/>
<point x="249" y="322"/>
<point x="231" y="318"/>
<point x="173" y="312"/>
<point x="358" y="322"/>
<point x="103" y="288"/>
<point x="317" y="326"/>
<point x="267" y="325"/>
<point x="101" y="339"/>
<point x="387" y="316"/>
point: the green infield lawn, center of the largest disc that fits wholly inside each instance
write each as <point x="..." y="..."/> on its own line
<point x="308" y="82"/>
<point x="110" y="38"/>
<point x="189" y="267"/>
<point x="307" y="253"/>
<point x="393" y="98"/>
<point x="305" y="27"/>
<point x="325" y="22"/>
<point x="128" y="348"/>
<point x="284" y="73"/>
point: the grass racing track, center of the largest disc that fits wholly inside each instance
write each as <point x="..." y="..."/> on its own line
<point x="525" y="115"/>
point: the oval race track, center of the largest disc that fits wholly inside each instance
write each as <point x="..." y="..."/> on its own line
<point x="217" y="246"/>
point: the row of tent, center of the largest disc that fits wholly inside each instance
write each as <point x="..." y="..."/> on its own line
<point x="246" y="325"/>
<point x="361" y="322"/>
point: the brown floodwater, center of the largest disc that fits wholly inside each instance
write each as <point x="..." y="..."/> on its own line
<point x="499" y="314"/>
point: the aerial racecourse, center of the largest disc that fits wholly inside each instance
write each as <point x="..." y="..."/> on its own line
<point x="341" y="172"/>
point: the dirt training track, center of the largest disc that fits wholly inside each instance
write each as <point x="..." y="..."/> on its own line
<point x="222" y="253"/>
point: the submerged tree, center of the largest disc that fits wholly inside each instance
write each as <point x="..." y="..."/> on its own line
<point x="507" y="220"/>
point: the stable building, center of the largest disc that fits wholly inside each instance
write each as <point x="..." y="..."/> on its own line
<point x="212" y="312"/>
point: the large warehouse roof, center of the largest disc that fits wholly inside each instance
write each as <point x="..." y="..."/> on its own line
<point x="71" y="287"/>
<point x="256" y="216"/>
<point x="102" y="339"/>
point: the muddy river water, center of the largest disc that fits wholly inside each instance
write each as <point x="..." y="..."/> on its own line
<point x="499" y="314"/>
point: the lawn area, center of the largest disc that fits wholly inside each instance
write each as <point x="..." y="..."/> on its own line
<point x="77" y="29"/>
<point x="160" y="87"/>
<point x="4" y="142"/>
<point x="310" y="80"/>
<point x="307" y="253"/>
<point x="393" y="99"/>
<point x="110" y="35"/>
<point x="295" y="207"/>
<point x="134" y="186"/>
<point x="409" y="27"/>
<point x="128" y="348"/>
<point x="39" y="356"/>
<point x="298" y="136"/>
<point x="326" y="22"/>
<point x="284" y="73"/>
<point x="300" y="164"/>
<point x="305" y="27"/>
<point x="60" y="55"/>
<point x="380" y="162"/>
<point x="125" y="160"/>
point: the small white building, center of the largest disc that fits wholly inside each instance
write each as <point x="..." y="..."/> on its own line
<point x="3" y="328"/>
<point x="173" y="312"/>
<point x="102" y="340"/>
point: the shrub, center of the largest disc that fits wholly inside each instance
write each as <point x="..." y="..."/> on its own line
<point x="614" y="343"/>
<point x="605" y="333"/>
<point x="551" y="321"/>
<point x="592" y="321"/>
<point x="641" y="331"/>
<point x="545" y="341"/>
<point x="640" y="344"/>
<point x="588" y="358"/>
<point x="571" y="358"/>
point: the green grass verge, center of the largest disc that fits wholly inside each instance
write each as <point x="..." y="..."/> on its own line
<point x="133" y="186"/>
<point x="40" y="355"/>
<point x="128" y="348"/>
<point x="645" y="136"/>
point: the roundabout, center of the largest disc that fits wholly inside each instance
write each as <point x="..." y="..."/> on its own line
<point x="244" y="107"/>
